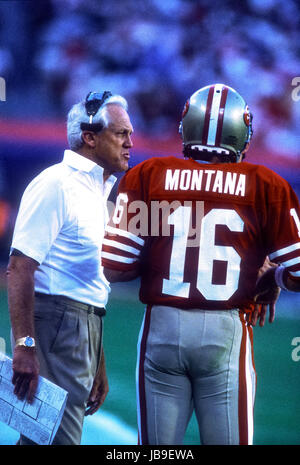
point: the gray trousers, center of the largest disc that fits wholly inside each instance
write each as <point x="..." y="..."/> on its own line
<point x="199" y="360"/>
<point x="69" y="342"/>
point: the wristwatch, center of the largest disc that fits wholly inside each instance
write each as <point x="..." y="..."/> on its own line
<point x="27" y="341"/>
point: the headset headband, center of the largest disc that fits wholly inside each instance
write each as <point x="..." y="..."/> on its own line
<point x="93" y="102"/>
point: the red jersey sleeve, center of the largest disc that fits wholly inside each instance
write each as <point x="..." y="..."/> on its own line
<point x="283" y="230"/>
<point x="123" y="241"/>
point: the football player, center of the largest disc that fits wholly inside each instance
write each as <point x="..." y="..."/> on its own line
<point x="198" y="231"/>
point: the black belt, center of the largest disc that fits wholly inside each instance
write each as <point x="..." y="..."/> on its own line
<point x="99" y="311"/>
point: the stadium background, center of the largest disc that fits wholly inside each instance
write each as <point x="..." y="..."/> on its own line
<point x="155" y="53"/>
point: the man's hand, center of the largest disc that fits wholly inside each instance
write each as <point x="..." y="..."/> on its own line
<point x="25" y="372"/>
<point x="99" y="389"/>
<point x="266" y="294"/>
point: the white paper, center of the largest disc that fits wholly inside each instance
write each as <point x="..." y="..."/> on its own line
<point x="39" y="420"/>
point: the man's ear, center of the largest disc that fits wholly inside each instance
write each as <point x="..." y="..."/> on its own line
<point x="88" y="138"/>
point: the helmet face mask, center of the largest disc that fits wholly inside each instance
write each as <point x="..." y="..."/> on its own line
<point x="216" y="121"/>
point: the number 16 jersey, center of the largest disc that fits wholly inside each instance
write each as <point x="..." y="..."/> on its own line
<point x="198" y="232"/>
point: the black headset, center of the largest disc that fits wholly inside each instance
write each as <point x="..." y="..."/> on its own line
<point x="93" y="102"/>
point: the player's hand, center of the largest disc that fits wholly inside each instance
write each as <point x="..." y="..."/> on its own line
<point x="266" y="298"/>
<point x="266" y="294"/>
<point x="98" y="393"/>
<point x="26" y="369"/>
<point x="260" y="313"/>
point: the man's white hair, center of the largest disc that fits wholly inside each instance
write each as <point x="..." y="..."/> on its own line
<point x="78" y="115"/>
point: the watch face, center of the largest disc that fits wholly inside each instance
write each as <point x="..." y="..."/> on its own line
<point x="29" y="342"/>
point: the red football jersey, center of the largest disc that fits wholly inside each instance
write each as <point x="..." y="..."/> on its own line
<point x="200" y="232"/>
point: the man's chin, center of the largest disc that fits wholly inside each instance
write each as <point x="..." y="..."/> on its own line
<point x="124" y="166"/>
<point x="120" y="167"/>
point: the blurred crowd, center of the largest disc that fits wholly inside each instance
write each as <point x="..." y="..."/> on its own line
<point x="156" y="53"/>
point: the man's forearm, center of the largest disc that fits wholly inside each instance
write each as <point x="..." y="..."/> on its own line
<point x="20" y="288"/>
<point x="20" y="285"/>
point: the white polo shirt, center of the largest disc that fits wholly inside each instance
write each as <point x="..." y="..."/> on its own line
<point x="60" y="224"/>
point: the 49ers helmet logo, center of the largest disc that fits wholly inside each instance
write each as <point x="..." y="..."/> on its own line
<point x="185" y="108"/>
<point x="247" y="116"/>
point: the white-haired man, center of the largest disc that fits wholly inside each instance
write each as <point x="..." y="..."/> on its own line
<point x="57" y="291"/>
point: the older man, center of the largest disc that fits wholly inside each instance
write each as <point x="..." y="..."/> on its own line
<point x="56" y="288"/>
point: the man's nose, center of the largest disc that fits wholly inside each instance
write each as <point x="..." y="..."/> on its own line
<point x="128" y="141"/>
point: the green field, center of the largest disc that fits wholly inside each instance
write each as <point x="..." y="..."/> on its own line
<point x="277" y="407"/>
